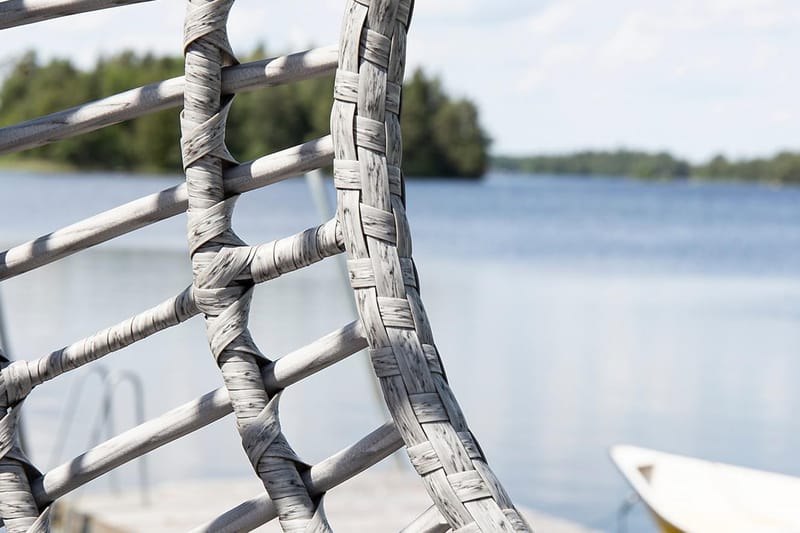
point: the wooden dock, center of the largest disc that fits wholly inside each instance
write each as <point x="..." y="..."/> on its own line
<point x="385" y="500"/>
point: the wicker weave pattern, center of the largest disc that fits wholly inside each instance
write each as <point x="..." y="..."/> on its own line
<point x="218" y="254"/>
<point x="367" y="150"/>
<point x="370" y="225"/>
<point x="17" y="505"/>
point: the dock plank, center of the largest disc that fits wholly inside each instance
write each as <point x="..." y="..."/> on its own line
<point x="377" y="500"/>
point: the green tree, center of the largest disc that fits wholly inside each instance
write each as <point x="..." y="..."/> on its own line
<point x="443" y="137"/>
<point x="460" y="139"/>
<point x="422" y="97"/>
<point x="785" y="168"/>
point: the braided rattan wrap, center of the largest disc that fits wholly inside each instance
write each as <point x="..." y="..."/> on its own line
<point x="18" y="508"/>
<point x="370" y="225"/>
<point x="218" y="255"/>
<point x="367" y="156"/>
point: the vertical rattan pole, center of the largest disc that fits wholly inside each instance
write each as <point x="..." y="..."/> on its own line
<point x="18" y="507"/>
<point x="367" y="149"/>
<point x="217" y="256"/>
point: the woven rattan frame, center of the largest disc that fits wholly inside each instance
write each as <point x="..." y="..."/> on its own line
<point x="370" y="225"/>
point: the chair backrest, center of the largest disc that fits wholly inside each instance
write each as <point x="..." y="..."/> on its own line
<point x="370" y="226"/>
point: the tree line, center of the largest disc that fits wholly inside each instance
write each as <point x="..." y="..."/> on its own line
<point x="442" y="135"/>
<point x="784" y="167"/>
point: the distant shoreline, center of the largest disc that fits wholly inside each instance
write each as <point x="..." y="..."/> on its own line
<point x="661" y="179"/>
<point x="35" y="165"/>
<point x="45" y="166"/>
<point x="782" y="168"/>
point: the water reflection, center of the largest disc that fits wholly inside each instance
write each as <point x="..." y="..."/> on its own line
<point x="681" y="336"/>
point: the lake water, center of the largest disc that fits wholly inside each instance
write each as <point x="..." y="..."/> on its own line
<point x="571" y="314"/>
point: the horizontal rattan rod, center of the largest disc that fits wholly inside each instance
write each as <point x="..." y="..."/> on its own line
<point x="267" y="261"/>
<point x="161" y="95"/>
<point x="279" y="70"/>
<point x="21" y="12"/>
<point x="131" y="444"/>
<point x="430" y="521"/>
<point x="168" y="313"/>
<point x="315" y="356"/>
<point x="320" y="478"/>
<point x="192" y="416"/>
<point x="159" y="206"/>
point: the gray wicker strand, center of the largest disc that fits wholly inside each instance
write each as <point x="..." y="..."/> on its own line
<point x="223" y="300"/>
<point x="18" y="507"/>
<point x="370" y="225"/>
<point x="264" y="262"/>
<point x="367" y="155"/>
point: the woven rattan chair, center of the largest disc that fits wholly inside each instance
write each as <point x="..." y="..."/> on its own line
<point x="370" y="226"/>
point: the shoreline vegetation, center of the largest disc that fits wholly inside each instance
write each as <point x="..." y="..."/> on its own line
<point x="718" y="169"/>
<point x="783" y="168"/>
<point x="442" y="135"/>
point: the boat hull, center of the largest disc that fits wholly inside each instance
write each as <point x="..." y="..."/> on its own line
<point x="689" y="495"/>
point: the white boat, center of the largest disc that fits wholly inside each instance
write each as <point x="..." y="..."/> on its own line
<point x="690" y="495"/>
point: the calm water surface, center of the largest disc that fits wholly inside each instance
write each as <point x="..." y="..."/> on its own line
<point x="571" y="315"/>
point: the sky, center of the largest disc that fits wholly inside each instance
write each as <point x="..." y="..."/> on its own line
<point x="693" y="77"/>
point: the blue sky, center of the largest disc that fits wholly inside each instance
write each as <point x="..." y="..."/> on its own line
<point x="695" y="77"/>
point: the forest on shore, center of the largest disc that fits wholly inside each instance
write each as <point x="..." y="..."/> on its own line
<point x="442" y="135"/>
<point x="783" y="168"/>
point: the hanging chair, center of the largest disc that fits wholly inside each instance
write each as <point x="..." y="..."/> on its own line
<point x="370" y="226"/>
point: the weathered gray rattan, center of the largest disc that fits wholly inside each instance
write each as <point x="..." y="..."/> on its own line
<point x="370" y="226"/>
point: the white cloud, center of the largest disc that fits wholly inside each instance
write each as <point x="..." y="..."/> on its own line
<point x="450" y="8"/>
<point x="759" y="14"/>
<point x="781" y="116"/>
<point x="635" y="41"/>
<point x="551" y="62"/>
<point x="553" y="18"/>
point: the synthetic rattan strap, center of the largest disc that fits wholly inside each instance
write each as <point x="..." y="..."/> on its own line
<point x="367" y="150"/>
<point x="218" y="256"/>
<point x="370" y="225"/>
<point x="17" y="506"/>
